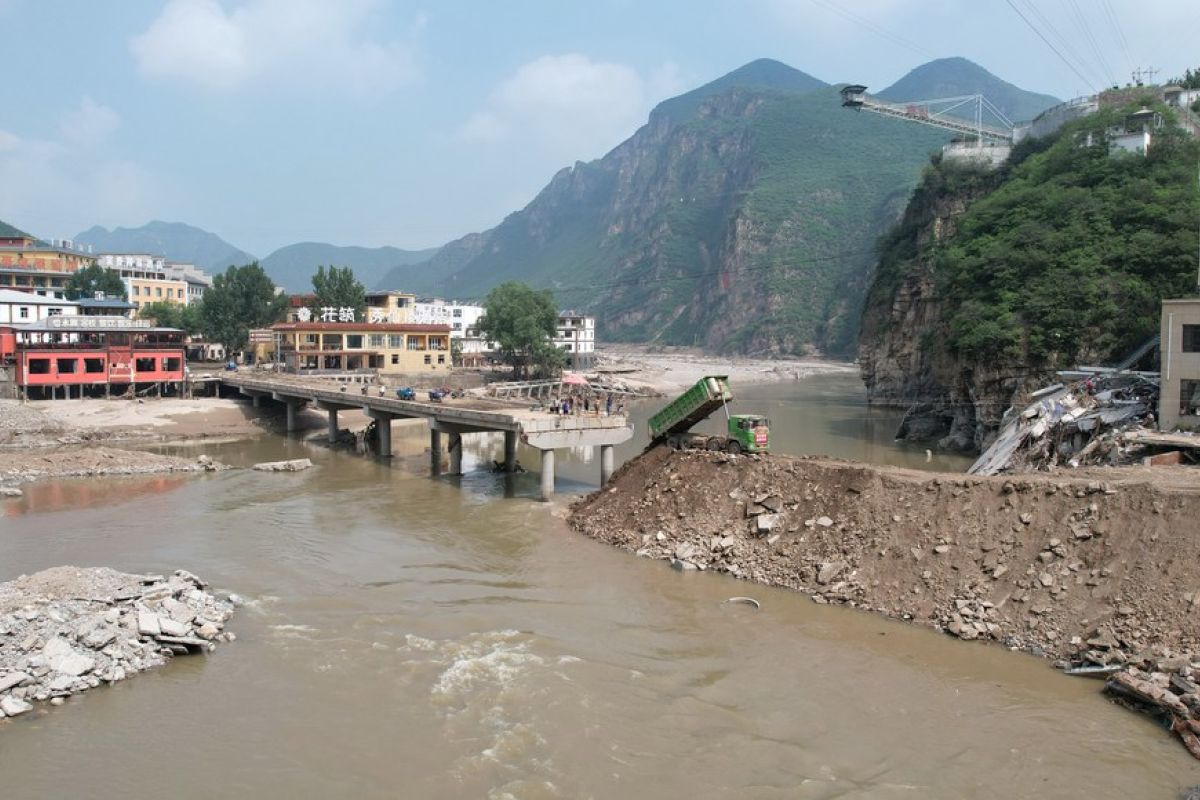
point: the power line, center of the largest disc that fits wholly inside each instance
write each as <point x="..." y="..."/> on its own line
<point x="861" y="21"/>
<point x="1121" y="40"/>
<point x="1063" y="42"/>
<point x="1063" y="58"/>
<point x="1094" y="43"/>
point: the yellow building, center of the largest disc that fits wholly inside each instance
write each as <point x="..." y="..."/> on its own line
<point x="386" y="348"/>
<point x="390" y="306"/>
<point x="143" y="291"/>
<point x="31" y="265"/>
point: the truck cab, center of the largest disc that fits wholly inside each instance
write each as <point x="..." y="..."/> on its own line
<point x="749" y="433"/>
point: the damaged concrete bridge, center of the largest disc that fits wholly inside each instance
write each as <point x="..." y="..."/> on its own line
<point x="538" y="429"/>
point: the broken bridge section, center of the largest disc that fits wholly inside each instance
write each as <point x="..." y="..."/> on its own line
<point x="540" y="430"/>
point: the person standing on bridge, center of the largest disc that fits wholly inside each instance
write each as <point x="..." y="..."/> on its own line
<point x="608" y="405"/>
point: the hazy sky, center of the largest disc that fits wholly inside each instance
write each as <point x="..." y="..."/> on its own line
<point x="386" y="122"/>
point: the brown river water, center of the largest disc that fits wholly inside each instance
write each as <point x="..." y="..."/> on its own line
<point x="409" y="637"/>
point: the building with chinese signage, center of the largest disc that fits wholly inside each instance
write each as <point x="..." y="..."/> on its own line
<point x="316" y="347"/>
<point x="87" y="355"/>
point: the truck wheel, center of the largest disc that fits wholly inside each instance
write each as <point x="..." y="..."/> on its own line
<point x="715" y="443"/>
<point x="734" y="447"/>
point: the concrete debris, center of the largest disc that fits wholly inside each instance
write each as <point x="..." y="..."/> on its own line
<point x="1083" y="424"/>
<point x="293" y="465"/>
<point x="66" y="630"/>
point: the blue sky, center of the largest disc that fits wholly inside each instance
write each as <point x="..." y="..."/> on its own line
<point x="376" y="122"/>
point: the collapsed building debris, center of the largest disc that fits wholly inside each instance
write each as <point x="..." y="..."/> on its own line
<point x="1107" y="419"/>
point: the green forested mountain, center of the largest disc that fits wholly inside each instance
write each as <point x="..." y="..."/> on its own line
<point x="994" y="280"/>
<point x="954" y="77"/>
<point x="175" y="240"/>
<point x="292" y="267"/>
<point x="741" y="217"/>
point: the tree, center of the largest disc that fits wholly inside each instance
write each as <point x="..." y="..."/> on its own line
<point x="338" y="288"/>
<point x="92" y="279"/>
<point x="521" y="321"/>
<point x="241" y="298"/>
<point x="173" y="315"/>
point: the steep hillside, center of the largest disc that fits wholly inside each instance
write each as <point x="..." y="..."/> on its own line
<point x="292" y="267"/>
<point x="993" y="281"/>
<point x="175" y="240"/>
<point x="741" y="220"/>
<point x="954" y="77"/>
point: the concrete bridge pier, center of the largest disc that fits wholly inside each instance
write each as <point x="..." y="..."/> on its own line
<point x="606" y="463"/>
<point x="383" y="427"/>
<point x="454" y="447"/>
<point x="435" y="451"/>
<point x="456" y="454"/>
<point x="293" y="407"/>
<point x="547" y="489"/>
<point x="510" y="451"/>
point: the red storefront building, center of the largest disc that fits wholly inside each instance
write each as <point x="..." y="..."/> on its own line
<point x="77" y="356"/>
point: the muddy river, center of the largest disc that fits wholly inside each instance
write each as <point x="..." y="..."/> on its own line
<point x="409" y="637"/>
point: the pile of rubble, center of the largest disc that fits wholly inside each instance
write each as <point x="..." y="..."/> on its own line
<point x="66" y="630"/>
<point x="1081" y="424"/>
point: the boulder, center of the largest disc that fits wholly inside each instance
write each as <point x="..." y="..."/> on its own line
<point x="293" y="465"/>
<point x="13" y="706"/>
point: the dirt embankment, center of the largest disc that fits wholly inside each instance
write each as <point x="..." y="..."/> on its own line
<point x="1099" y="569"/>
<point x="1039" y="563"/>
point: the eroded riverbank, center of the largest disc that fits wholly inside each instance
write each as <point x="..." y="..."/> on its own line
<point x="1057" y="566"/>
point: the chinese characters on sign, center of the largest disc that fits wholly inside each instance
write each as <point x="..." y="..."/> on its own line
<point x="346" y="314"/>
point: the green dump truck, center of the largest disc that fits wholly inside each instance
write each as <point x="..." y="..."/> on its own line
<point x="749" y="433"/>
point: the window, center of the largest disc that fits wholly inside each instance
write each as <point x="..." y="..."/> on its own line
<point x="428" y="359"/>
<point x="441" y="358"/>
<point x="395" y="341"/>
<point x="376" y="340"/>
<point x="39" y="366"/>
<point x="146" y="365"/>
<point x="354" y="341"/>
<point x="158" y="291"/>
<point x="1191" y="338"/>
<point x="93" y="365"/>
<point x="53" y="312"/>
<point x="171" y="364"/>
<point x="1189" y="398"/>
<point x="23" y="312"/>
<point x="395" y="359"/>
<point x="457" y="312"/>
<point x="66" y="366"/>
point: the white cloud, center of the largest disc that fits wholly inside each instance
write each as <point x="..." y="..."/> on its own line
<point x="89" y="124"/>
<point x="576" y="107"/>
<point x="307" y="44"/>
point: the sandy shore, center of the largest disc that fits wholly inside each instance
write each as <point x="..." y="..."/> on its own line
<point x="668" y="370"/>
<point x="169" y="418"/>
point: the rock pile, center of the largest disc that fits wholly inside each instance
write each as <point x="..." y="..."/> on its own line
<point x="66" y="630"/>
<point x="292" y="465"/>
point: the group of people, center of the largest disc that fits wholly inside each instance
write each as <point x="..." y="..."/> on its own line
<point x="574" y="404"/>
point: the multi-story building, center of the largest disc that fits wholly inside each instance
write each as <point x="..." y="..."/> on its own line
<point x="461" y="317"/>
<point x="1179" y="342"/>
<point x="340" y="347"/>
<point x="24" y="308"/>
<point x="28" y="264"/>
<point x="198" y="281"/>
<point x="146" y="278"/>
<point x="576" y="335"/>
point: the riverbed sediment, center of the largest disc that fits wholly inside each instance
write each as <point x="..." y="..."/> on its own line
<point x="1098" y="568"/>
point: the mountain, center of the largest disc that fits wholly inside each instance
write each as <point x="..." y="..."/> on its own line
<point x="741" y="220"/>
<point x="292" y="267"/>
<point x="955" y="77"/>
<point x="175" y="240"/>
<point x="764" y="73"/>
<point x="993" y="281"/>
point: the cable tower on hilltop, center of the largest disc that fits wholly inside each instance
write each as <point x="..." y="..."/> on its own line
<point x="939" y="113"/>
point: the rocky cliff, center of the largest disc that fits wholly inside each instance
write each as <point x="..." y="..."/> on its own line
<point x="991" y="282"/>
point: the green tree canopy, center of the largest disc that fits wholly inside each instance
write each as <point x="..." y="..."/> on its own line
<point x="173" y="315"/>
<point x="92" y="279"/>
<point x="338" y="288"/>
<point x="240" y="298"/>
<point x="521" y="322"/>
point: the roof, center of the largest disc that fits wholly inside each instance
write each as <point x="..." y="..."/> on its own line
<point x="105" y="302"/>
<point x="31" y="299"/>
<point x="360" y="327"/>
